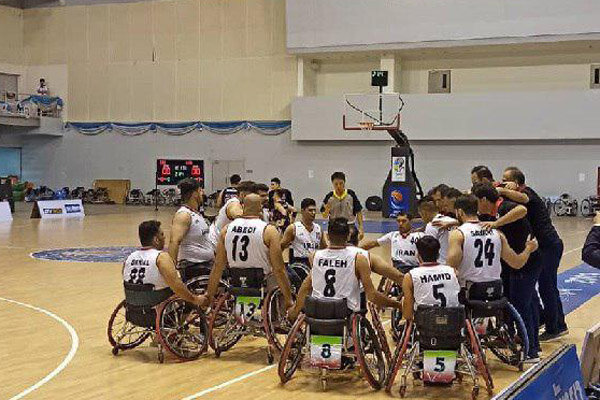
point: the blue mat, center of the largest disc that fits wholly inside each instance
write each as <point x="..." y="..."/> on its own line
<point x="577" y="286"/>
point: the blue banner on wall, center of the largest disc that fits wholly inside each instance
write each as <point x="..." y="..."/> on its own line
<point x="399" y="199"/>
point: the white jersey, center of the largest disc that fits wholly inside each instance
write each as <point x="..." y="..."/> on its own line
<point x="435" y="285"/>
<point x="481" y="254"/>
<point x="196" y="246"/>
<point x="141" y="268"/>
<point x="404" y="247"/>
<point x="245" y="244"/>
<point x="305" y="242"/>
<point x="221" y="220"/>
<point x="441" y="234"/>
<point x="334" y="276"/>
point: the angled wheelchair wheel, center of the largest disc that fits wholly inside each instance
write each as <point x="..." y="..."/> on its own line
<point x="274" y="318"/>
<point x="376" y="320"/>
<point x="586" y="208"/>
<point x="507" y="338"/>
<point x="560" y="207"/>
<point x="479" y="357"/>
<point x="122" y="334"/>
<point x="396" y="364"/>
<point x="182" y="329"/>
<point x="224" y="328"/>
<point x="368" y="351"/>
<point x="292" y="353"/>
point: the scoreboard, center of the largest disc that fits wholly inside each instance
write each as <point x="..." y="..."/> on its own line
<point x="170" y="172"/>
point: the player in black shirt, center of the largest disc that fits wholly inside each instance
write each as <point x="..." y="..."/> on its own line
<point x="519" y="285"/>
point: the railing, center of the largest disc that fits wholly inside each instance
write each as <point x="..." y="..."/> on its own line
<point x="28" y="105"/>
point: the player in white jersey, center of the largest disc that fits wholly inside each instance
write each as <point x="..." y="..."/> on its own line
<point x="190" y="245"/>
<point x="475" y="251"/>
<point x="248" y="242"/>
<point x="231" y="210"/>
<point x="151" y="265"/>
<point x="430" y="284"/>
<point x="338" y="272"/>
<point x="304" y="236"/>
<point x="437" y="225"/>
<point x="402" y="243"/>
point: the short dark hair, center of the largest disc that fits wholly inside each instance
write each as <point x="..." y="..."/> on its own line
<point x="42" y="80"/>
<point x="247" y="187"/>
<point x="235" y="179"/>
<point x="451" y="193"/>
<point x="338" y="229"/>
<point x="147" y="231"/>
<point x="467" y="203"/>
<point x="439" y="188"/>
<point x="338" y="175"/>
<point x="276" y="180"/>
<point x="261" y="187"/>
<point x="307" y="203"/>
<point x="427" y="203"/>
<point x="187" y="187"/>
<point x="517" y="175"/>
<point x="482" y="172"/>
<point x="353" y="235"/>
<point x="403" y="213"/>
<point x="485" y="191"/>
<point x="428" y="248"/>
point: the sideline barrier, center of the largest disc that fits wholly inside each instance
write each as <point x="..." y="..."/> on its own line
<point x="57" y="209"/>
<point x="5" y="214"/>
<point x="556" y="377"/>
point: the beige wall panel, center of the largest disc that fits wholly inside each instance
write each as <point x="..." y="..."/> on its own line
<point x="77" y="40"/>
<point x="188" y="29"/>
<point x="120" y="92"/>
<point x="235" y="13"/>
<point x="234" y="71"/>
<point x="211" y="89"/>
<point x="56" y="36"/>
<point x="279" y="27"/>
<point x="257" y="89"/>
<point x="99" y="91"/>
<point x="142" y="43"/>
<point x="99" y="33"/>
<point x="188" y="90"/>
<point x="165" y="30"/>
<point x="211" y="43"/>
<point x="11" y="32"/>
<point x="284" y="85"/>
<point x="34" y="36"/>
<point x="259" y="42"/>
<point x="120" y="34"/>
<point x="234" y="43"/>
<point x="142" y="90"/>
<point x="165" y="91"/>
<point x="212" y="14"/>
<point x="78" y="92"/>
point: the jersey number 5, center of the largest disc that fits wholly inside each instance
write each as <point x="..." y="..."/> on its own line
<point x="244" y="242"/>
<point x="439" y="295"/>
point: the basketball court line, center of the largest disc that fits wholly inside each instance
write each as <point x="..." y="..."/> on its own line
<point x="66" y="360"/>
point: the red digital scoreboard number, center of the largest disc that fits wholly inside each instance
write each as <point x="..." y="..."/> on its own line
<point x="170" y="172"/>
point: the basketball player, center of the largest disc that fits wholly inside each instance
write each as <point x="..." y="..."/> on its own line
<point x="304" y="236"/>
<point x="431" y="283"/>
<point x="337" y="273"/>
<point x="436" y="193"/>
<point x="231" y="210"/>
<point x="230" y="191"/>
<point x="248" y="242"/>
<point x="190" y="246"/>
<point x="263" y="191"/>
<point x="403" y="244"/>
<point x="446" y="206"/>
<point x="438" y="225"/>
<point x="475" y="251"/>
<point x="151" y="265"/>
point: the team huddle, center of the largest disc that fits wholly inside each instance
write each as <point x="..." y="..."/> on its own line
<point x="485" y="236"/>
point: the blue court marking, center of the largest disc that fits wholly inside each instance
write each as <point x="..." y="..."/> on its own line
<point x="577" y="286"/>
<point x="89" y="254"/>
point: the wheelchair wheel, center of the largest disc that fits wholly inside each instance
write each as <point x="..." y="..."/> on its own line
<point x="586" y="208"/>
<point x="396" y="364"/>
<point x="560" y="207"/>
<point x="276" y="324"/>
<point x="478" y="354"/>
<point x="301" y="270"/>
<point x="510" y="348"/>
<point x="224" y="328"/>
<point x="292" y="353"/>
<point x="376" y="320"/>
<point x="182" y="329"/>
<point x="122" y="334"/>
<point x="368" y="351"/>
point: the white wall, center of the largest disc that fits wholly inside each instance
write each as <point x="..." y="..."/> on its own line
<point x="323" y="25"/>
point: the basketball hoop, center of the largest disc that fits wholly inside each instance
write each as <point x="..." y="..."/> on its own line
<point x="366" y="125"/>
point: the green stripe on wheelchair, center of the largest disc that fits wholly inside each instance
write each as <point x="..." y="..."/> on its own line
<point x="322" y="339"/>
<point x="247" y="300"/>
<point x="439" y="353"/>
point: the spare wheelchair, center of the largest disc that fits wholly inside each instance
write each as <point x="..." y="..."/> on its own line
<point x="439" y="347"/>
<point x="176" y="325"/>
<point x="248" y="308"/>
<point x="497" y="322"/>
<point x="329" y="337"/>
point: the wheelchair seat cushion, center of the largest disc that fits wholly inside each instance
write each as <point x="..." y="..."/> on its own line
<point x="329" y="327"/>
<point x="481" y="308"/>
<point x="491" y="290"/>
<point x="145" y="295"/>
<point x="439" y="328"/>
<point x="142" y="316"/>
<point x="247" y="277"/>
<point x="326" y="308"/>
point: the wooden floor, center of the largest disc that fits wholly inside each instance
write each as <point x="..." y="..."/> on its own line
<point x="33" y="344"/>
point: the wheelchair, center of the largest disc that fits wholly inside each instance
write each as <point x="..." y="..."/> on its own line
<point x="565" y="205"/>
<point x="392" y="289"/>
<point x="439" y="347"/>
<point x="178" y="326"/>
<point x="497" y="322"/>
<point x="248" y="308"/>
<point x="329" y="337"/>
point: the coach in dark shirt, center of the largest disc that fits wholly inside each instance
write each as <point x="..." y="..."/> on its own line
<point x="519" y="285"/>
<point x="591" y="249"/>
<point x="551" y="250"/>
<point x="286" y="194"/>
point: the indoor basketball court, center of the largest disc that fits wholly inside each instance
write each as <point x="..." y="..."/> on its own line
<point x="296" y="115"/>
